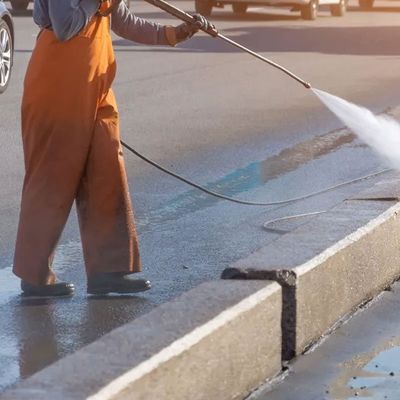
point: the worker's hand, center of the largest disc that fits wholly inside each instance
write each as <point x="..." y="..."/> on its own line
<point x="201" y="23"/>
<point x="187" y="30"/>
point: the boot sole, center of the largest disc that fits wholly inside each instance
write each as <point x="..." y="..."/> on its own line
<point x="47" y="296"/>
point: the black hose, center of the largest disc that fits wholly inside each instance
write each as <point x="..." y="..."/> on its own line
<point x="245" y="202"/>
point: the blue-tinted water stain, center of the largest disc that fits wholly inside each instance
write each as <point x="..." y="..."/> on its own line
<point x="245" y="179"/>
<point x="239" y="181"/>
<point x="379" y="379"/>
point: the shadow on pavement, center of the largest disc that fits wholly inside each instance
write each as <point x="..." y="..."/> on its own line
<point x="383" y="41"/>
<point x="391" y="9"/>
<point x="26" y="13"/>
<point x="226" y="14"/>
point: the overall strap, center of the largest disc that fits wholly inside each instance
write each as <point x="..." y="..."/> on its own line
<point x="106" y="8"/>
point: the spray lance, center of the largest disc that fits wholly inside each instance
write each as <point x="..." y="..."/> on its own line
<point x="212" y="31"/>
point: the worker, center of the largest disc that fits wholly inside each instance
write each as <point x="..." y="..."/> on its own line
<point x="71" y="143"/>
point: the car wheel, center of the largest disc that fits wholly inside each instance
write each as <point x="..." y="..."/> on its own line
<point x="338" y="10"/>
<point x="239" y="8"/>
<point x="366" y="4"/>
<point x="310" y="10"/>
<point x="203" y="7"/>
<point x="6" y="54"/>
<point x="19" y="5"/>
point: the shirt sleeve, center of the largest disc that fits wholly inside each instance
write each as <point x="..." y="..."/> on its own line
<point x="128" y="26"/>
<point x="69" y="17"/>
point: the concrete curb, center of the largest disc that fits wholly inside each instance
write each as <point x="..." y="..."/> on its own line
<point x="331" y="265"/>
<point x="329" y="287"/>
<point x="217" y="341"/>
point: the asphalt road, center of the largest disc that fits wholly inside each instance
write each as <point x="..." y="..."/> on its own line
<point x="223" y="119"/>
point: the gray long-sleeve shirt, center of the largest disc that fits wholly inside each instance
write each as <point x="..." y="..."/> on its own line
<point x="68" y="17"/>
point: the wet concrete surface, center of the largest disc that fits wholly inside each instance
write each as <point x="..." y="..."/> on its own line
<point x="360" y="360"/>
<point x="373" y="375"/>
<point x="218" y="118"/>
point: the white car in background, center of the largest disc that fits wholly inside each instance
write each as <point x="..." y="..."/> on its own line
<point x="307" y="8"/>
<point x="6" y="46"/>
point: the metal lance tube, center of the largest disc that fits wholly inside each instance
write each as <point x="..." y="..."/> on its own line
<point x="182" y="15"/>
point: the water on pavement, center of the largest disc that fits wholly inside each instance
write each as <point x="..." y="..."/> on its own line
<point x="38" y="332"/>
<point x="373" y="375"/>
<point x="360" y="360"/>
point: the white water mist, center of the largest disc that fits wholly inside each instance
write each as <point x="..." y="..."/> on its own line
<point x="381" y="133"/>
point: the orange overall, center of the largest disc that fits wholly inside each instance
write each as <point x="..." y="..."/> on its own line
<point x="72" y="152"/>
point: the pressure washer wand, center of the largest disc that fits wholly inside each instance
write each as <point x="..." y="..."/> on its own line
<point x="182" y="15"/>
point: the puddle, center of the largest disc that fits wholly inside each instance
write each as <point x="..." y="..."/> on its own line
<point x="374" y="375"/>
<point x="36" y="332"/>
<point x="247" y="178"/>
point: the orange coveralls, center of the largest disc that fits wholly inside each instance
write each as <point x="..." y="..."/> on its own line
<point x="72" y="152"/>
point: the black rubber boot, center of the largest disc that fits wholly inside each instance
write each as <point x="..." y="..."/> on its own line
<point x="116" y="282"/>
<point x="53" y="290"/>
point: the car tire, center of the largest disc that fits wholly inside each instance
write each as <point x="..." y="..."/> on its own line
<point x="203" y="7"/>
<point x="239" y="8"/>
<point x="366" y="4"/>
<point x="338" y="10"/>
<point x="6" y="55"/>
<point x="19" y="5"/>
<point x="310" y="10"/>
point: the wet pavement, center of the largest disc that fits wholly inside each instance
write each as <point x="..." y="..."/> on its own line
<point x="189" y="240"/>
<point x="360" y="360"/>
<point x="211" y="115"/>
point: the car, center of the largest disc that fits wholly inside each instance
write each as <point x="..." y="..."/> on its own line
<point x="307" y="8"/>
<point x="6" y="46"/>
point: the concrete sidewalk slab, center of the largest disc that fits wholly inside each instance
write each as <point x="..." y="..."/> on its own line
<point x="217" y="341"/>
<point x="332" y="264"/>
